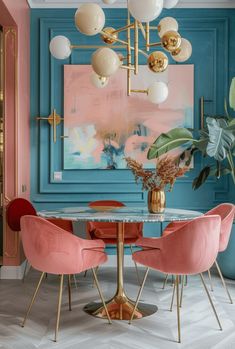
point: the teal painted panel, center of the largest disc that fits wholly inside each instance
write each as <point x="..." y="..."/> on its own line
<point x="212" y="34"/>
<point x="226" y="259"/>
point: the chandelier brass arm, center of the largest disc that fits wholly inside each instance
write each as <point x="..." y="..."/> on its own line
<point x="90" y="20"/>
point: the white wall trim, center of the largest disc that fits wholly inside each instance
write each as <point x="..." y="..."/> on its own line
<point x="13" y="272"/>
<point x="122" y="3"/>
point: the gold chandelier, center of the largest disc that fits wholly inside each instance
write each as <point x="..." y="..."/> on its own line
<point x="105" y="61"/>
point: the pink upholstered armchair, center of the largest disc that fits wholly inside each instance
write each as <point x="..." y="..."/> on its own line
<point x="191" y="249"/>
<point x="51" y="249"/>
<point x="226" y="212"/>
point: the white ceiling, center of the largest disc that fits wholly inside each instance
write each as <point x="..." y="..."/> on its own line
<point x="122" y="3"/>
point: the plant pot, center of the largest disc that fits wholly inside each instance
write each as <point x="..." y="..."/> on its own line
<point x="156" y="201"/>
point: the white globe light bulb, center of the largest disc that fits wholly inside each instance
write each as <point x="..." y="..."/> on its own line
<point x="105" y="62"/>
<point x="158" y="92"/>
<point x="109" y="2"/>
<point x="167" y="24"/>
<point x="145" y="10"/>
<point x="98" y="81"/>
<point x="170" y="3"/>
<point x="90" y="19"/>
<point x="60" y="47"/>
<point x="184" y="52"/>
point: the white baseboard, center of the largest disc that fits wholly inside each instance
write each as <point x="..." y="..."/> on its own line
<point x="13" y="272"/>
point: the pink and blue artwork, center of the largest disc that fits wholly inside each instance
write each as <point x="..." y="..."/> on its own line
<point x="105" y="125"/>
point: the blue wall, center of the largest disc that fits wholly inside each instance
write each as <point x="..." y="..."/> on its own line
<point x="212" y="33"/>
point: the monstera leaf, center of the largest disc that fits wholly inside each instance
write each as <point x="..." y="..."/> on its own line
<point x="220" y="139"/>
<point x="168" y="141"/>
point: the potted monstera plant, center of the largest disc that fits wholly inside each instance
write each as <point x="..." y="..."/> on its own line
<point x="216" y="142"/>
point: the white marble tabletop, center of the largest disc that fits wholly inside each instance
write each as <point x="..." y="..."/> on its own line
<point x="120" y="214"/>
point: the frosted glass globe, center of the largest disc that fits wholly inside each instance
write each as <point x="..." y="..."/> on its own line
<point x="90" y="19"/>
<point x="184" y="52"/>
<point x="170" y="3"/>
<point x="60" y="47"/>
<point x="167" y="24"/>
<point x="109" y="2"/>
<point x="98" y="81"/>
<point x="145" y="10"/>
<point x="105" y="62"/>
<point x="158" y="92"/>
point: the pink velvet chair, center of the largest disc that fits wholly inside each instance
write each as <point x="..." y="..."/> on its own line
<point x="226" y="212"/>
<point x="51" y="249"/>
<point x="192" y="249"/>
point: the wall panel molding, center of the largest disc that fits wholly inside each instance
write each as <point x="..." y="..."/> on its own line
<point x="209" y="33"/>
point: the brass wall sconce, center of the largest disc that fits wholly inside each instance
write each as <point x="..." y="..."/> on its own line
<point x="54" y="120"/>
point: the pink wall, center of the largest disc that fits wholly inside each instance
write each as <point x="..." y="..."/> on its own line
<point x="16" y="15"/>
<point x="20" y="13"/>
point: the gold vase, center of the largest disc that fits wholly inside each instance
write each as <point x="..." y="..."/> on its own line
<point x="156" y="201"/>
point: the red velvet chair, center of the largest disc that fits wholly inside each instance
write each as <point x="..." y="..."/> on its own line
<point x="20" y="207"/>
<point x="108" y="231"/>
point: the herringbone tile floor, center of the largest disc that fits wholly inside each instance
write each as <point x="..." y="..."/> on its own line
<point x="79" y="330"/>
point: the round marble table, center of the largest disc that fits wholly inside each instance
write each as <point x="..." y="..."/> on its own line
<point x="120" y="306"/>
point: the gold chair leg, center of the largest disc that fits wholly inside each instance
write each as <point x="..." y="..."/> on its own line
<point x="96" y="270"/>
<point x="69" y="292"/>
<point x="139" y="294"/>
<point x="178" y="307"/>
<point x="182" y="290"/>
<point x="223" y="282"/>
<point x="209" y="297"/>
<point x="85" y="274"/>
<point x="172" y="299"/>
<point x="75" y="280"/>
<point x="25" y="269"/>
<point x="33" y="299"/>
<point x="136" y="268"/>
<point x="165" y="281"/>
<point x="209" y="275"/>
<point x="100" y="293"/>
<point x="59" y="307"/>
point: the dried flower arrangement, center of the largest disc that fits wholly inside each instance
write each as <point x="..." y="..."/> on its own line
<point x="164" y="177"/>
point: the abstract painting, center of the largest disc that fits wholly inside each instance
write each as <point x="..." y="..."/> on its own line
<point x="104" y="125"/>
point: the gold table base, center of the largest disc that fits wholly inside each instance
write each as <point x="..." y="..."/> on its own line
<point x="120" y="309"/>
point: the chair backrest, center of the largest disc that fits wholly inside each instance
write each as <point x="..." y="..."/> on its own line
<point x="193" y="248"/>
<point x="49" y="248"/>
<point x="133" y="230"/>
<point x="227" y="213"/>
<point x="62" y="223"/>
<point x="16" y="209"/>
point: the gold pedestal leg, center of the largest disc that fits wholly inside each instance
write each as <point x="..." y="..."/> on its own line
<point x="33" y="299"/>
<point x="223" y="282"/>
<point x="59" y="307"/>
<point x="120" y="307"/>
<point x="209" y="297"/>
